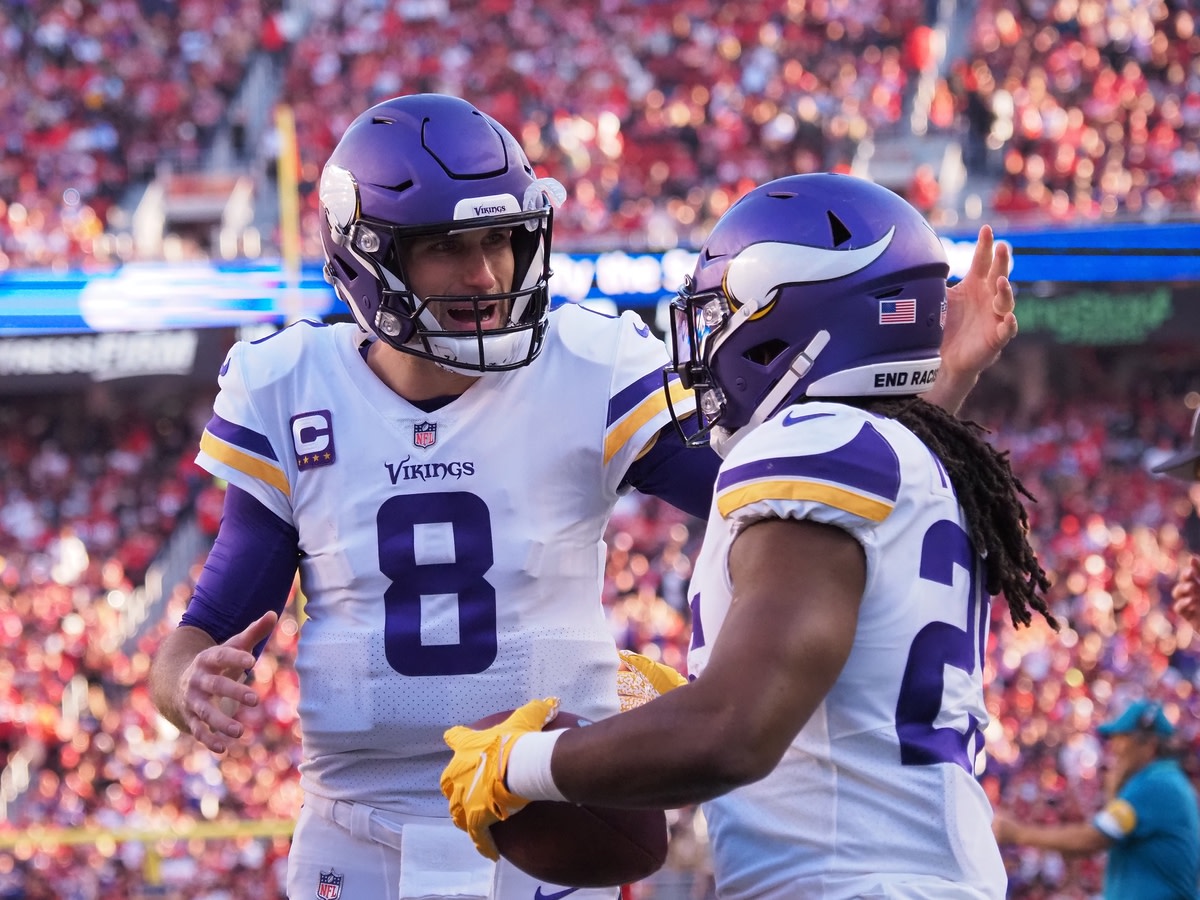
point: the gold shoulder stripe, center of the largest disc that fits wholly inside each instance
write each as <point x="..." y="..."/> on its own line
<point x="1123" y="814"/>
<point x="839" y="498"/>
<point x="620" y="433"/>
<point x="244" y="462"/>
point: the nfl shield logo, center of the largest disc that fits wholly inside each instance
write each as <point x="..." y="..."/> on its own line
<point x="425" y="434"/>
<point x="330" y="886"/>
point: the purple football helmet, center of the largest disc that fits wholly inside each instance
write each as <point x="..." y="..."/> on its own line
<point x="813" y="285"/>
<point x="431" y="164"/>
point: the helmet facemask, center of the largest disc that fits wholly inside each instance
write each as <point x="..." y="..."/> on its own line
<point x="696" y="321"/>
<point x="700" y="324"/>
<point x="415" y="324"/>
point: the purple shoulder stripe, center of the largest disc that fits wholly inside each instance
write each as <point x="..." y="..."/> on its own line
<point x="632" y="396"/>
<point x="866" y="464"/>
<point x="240" y="436"/>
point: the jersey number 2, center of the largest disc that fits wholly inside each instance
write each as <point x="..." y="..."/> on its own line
<point x="457" y="572"/>
<point x="937" y="648"/>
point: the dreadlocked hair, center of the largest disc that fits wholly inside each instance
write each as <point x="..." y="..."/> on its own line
<point x="991" y="497"/>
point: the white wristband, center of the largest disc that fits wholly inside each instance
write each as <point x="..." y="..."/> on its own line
<point x="528" y="773"/>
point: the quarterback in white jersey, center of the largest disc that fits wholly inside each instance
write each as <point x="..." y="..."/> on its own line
<point x="841" y="598"/>
<point x="443" y="498"/>
<point x="451" y="560"/>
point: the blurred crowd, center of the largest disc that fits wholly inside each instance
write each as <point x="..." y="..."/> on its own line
<point x="95" y="98"/>
<point x="1112" y="537"/>
<point x="97" y="487"/>
<point x="86" y="501"/>
<point x="655" y="114"/>
<point x="91" y="490"/>
<point x="1092" y="109"/>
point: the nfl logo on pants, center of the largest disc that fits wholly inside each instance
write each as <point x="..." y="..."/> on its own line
<point x="330" y="886"/>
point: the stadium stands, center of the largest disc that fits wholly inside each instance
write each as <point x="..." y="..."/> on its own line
<point x="657" y="115"/>
<point x="1083" y="112"/>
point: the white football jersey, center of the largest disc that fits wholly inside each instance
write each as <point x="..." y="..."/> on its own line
<point x="452" y="560"/>
<point x="876" y="796"/>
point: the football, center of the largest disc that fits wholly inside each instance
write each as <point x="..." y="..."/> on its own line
<point x="580" y="846"/>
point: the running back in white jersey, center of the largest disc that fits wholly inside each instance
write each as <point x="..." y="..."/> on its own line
<point x="453" y="560"/>
<point x="876" y="797"/>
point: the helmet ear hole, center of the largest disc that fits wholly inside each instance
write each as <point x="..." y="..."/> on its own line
<point x="344" y="271"/>
<point x="765" y="353"/>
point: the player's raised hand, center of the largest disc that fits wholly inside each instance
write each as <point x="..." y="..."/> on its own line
<point x="1185" y="595"/>
<point x="473" y="782"/>
<point x="214" y="689"/>
<point x="641" y="679"/>
<point x="980" y="317"/>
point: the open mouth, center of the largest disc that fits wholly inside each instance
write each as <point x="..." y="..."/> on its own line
<point x="482" y="315"/>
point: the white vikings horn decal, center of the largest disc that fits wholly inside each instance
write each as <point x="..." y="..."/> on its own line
<point x="761" y="268"/>
<point x="339" y="194"/>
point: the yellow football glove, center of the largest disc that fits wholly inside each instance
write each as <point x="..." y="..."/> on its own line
<point x="473" y="782"/>
<point x="641" y="679"/>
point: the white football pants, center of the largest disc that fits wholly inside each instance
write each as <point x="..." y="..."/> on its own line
<point x="349" y="851"/>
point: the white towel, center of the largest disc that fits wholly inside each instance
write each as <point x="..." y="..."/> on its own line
<point x="438" y="861"/>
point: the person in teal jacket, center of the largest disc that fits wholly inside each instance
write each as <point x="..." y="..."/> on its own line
<point x="1150" y="825"/>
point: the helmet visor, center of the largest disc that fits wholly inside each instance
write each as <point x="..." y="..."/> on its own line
<point x="695" y="319"/>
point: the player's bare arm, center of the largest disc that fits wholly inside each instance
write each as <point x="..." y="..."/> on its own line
<point x="1071" y="838"/>
<point x="980" y="321"/>
<point x="198" y="685"/>
<point x="797" y="586"/>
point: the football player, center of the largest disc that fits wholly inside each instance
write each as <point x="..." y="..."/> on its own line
<point x="841" y="597"/>
<point x="441" y="472"/>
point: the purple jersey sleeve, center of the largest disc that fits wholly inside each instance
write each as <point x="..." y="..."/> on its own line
<point x="249" y="570"/>
<point x="680" y="475"/>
